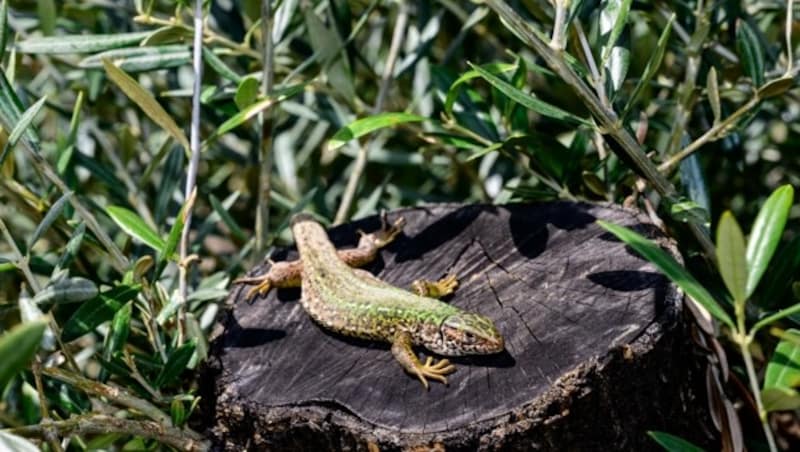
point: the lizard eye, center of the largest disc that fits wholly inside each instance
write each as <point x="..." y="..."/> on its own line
<point x="469" y="337"/>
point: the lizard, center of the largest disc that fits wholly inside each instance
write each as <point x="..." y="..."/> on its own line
<point x="356" y="303"/>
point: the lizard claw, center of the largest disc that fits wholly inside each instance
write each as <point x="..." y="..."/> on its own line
<point x="435" y="289"/>
<point x="434" y="371"/>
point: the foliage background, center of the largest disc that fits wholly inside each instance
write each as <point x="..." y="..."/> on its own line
<point x="479" y="115"/>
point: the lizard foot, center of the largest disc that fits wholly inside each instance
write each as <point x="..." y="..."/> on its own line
<point x="435" y="289"/>
<point x="263" y="284"/>
<point x="434" y="371"/>
<point x="387" y="233"/>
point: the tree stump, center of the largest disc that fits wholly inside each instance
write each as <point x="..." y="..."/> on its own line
<point x="595" y="353"/>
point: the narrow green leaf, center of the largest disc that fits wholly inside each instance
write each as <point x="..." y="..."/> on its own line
<point x="751" y="54"/>
<point x="176" y="363"/>
<point x="168" y="251"/>
<point x="690" y="212"/>
<point x="17" y="348"/>
<point x="69" y="290"/>
<point x="100" y="309"/>
<point x="712" y="91"/>
<point x="47" y="13"/>
<point x="3" y="28"/>
<point x="196" y="334"/>
<point x="363" y="126"/>
<point x="254" y="109"/>
<point x="146" y="102"/>
<point x="227" y="219"/>
<point x="79" y="43"/>
<point x="652" y="67"/>
<point x="25" y="121"/>
<point x="672" y="443"/>
<point x="452" y="92"/>
<point x="16" y="443"/>
<point x="11" y="110"/>
<point x="670" y="267"/>
<point x="731" y="257"/>
<point x="118" y="334"/>
<point x="527" y="100"/>
<point x="615" y="12"/>
<point x="50" y="217"/>
<point x="220" y="67"/>
<point x="135" y="227"/>
<point x="766" y="234"/>
<point x="775" y="87"/>
<point x="141" y="59"/>
<point x="791" y="310"/>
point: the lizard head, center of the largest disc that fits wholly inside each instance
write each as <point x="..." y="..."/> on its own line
<point x="466" y="333"/>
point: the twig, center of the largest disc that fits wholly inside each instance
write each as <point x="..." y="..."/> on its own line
<point x="115" y="394"/>
<point x="102" y="424"/>
<point x="191" y="172"/>
<point x="388" y="74"/>
<point x="559" y="24"/>
<point x="49" y="434"/>
<point x="265" y="132"/>
<point x="715" y="132"/>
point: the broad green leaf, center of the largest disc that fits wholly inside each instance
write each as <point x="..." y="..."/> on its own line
<point x="69" y="290"/>
<point x="731" y="257"/>
<point x="363" y="126"/>
<point x="141" y="59"/>
<point x="783" y="369"/>
<point x="689" y="212"/>
<point x="750" y="52"/>
<point x="246" y="92"/>
<point x="254" y="109"/>
<point x="134" y="226"/>
<point x="652" y="67"/>
<point x="766" y="234"/>
<point x="613" y="18"/>
<point x="527" y="100"/>
<point x="100" y="309"/>
<point x="176" y="363"/>
<point x="79" y="43"/>
<point x="17" y="348"/>
<point x="672" y="443"/>
<point x="16" y="443"/>
<point x="780" y="399"/>
<point x="670" y="267"/>
<point x="52" y="214"/>
<point x="146" y="102"/>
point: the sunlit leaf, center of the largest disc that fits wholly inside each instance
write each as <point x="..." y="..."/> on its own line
<point x="766" y="233"/>
<point x="363" y="126"/>
<point x="731" y="257"/>
<point x="134" y="226"/>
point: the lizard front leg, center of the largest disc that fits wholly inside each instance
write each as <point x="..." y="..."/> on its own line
<point x="404" y="354"/>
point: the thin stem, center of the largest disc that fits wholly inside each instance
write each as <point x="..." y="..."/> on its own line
<point x="210" y="35"/>
<point x="49" y="434"/>
<point x="789" y="50"/>
<point x="102" y="424"/>
<point x="597" y="79"/>
<point x="751" y="376"/>
<point x="21" y="260"/>
<point x="559" y="25"/>
<point x="265" y="132"/>
<point x="388" y="75"/>
<point x="194" y="162"/>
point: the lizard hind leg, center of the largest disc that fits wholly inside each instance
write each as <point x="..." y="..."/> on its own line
<point x="404" y="354"/>
<point x="280" y="275"/>
<point x="435" y="289"/>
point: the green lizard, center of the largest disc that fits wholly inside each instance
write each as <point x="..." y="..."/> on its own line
<point x="355" y="303"/>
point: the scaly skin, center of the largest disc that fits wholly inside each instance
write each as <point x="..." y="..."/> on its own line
<point x="355" y="303"/>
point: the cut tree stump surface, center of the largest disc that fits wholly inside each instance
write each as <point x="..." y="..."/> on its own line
<point x="567" y="296"/>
